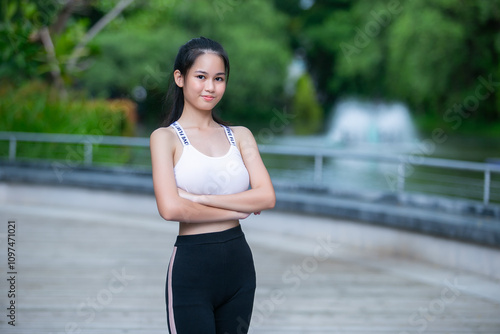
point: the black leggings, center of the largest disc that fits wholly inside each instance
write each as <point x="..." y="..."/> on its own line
<point x="210" y="284"/>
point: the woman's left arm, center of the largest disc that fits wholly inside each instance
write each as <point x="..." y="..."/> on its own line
<point x="261" y="194"/>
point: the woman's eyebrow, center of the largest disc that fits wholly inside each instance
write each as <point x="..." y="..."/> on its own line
<point x="206" y="73"/>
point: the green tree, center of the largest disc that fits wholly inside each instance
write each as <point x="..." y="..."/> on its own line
<point x="308" y="115"/>
<point x="141" y="51"/>
<point x="21" y="58"/>
<point x="46" y="39"/>
<point x="430" y="54"/>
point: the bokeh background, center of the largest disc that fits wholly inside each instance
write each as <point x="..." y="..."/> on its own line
<point x="378" y="120"/>
<point x="66" y="63"/>
<point x="416" y="78"/>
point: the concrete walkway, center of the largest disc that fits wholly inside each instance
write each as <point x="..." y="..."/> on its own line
<point x="94" y="261"/>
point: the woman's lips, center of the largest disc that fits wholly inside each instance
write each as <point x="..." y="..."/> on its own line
<point x="208" y="98"/>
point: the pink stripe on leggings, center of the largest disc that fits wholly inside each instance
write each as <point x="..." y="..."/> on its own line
<point x="171" y="319"/>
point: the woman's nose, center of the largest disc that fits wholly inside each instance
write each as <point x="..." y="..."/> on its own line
<point x="209" y="86"/>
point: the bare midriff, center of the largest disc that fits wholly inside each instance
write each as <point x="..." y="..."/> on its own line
<point x="198" y="228"/>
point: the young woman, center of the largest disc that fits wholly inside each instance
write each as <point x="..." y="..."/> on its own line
<point x="207" y="176"/>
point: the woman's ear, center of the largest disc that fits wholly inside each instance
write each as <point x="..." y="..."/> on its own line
<point x="178" y="78"/>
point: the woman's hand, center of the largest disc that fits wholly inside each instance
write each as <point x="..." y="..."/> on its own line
<point x="199" y="199"/>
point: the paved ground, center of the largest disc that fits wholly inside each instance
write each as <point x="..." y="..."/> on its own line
<point x="89" y="261"/>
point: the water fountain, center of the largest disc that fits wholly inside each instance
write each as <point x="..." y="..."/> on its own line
<point x="359" y="125"/>
<point x="356" y="122"/>
<point x="356" y="126"/>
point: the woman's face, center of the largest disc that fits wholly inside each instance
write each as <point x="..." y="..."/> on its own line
<point x="205" y="82"/>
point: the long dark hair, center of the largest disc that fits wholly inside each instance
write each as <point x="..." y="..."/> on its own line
<point x="185" y="59"/>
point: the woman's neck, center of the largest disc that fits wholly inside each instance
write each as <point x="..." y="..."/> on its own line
<point x="196" y="118"/>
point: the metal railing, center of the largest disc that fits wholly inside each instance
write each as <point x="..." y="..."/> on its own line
<point x="319" y="155"/>
<point x="88" y="142"/>
<point x="401" y="161"/>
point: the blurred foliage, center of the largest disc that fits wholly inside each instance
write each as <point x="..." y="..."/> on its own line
<point x="34" y="107"/>
<point x="434" y="55"/>
<point x="141" y="51"/>
<point x="308" y="114"/>
<point x="21" y="59"/>
<point x="429" y="54"/>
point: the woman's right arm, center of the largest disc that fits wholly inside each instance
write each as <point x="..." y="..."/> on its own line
<point x="170" y="205"/>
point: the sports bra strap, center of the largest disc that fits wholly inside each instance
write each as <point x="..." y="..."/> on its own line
<point x="185" y="141"/>
<point x="230" y="135"/>
<point x="180" y="132"/>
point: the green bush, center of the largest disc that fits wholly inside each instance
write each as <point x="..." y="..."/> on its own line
<point x="34" y="107"/>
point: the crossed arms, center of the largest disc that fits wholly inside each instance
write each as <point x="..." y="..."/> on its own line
<point x="177" y="205"/>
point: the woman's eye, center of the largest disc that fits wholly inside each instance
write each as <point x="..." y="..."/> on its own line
<point x="200" y="76"/>
<point x="219" y="79"/>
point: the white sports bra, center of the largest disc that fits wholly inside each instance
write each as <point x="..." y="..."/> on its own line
<point x="201" y="174"/>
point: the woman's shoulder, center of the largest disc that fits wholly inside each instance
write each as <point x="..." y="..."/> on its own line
<point x="163" y="134"/>
<point x="241" y="131"/>
<point x="243" y="136"/>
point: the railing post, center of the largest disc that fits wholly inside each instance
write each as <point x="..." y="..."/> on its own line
<point x="318" y="168"/>
<point x="401" y="177"/>
<point x="487" y="181"/>
<point x="88" y="154"/>
<point x="12" y="148"/>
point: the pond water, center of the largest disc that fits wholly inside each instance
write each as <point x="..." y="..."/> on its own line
<point x="387" y="129"/>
